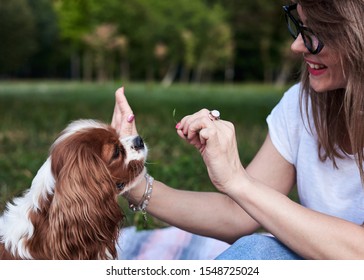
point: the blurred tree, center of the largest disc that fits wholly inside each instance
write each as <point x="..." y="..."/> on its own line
<point x="17" y="33"/>
<point x="75" y="18"/>
<point x="103" y="40"/>
<point x="216" y="45"/>
<point x="196" y="40"/>
<point x="81" y="18"/>
<point x="259" y="32"/>
<point x="189" y="58"/>
<point x="45" y="60"/>
<point x="154" y="32"/>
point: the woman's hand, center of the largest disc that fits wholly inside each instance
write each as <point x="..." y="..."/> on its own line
<point x="123" y="121"/>
<point x="123" y="117"/>
<point x="216" y="141"/>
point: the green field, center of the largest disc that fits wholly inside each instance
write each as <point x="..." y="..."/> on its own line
<point x="33" y="113"/>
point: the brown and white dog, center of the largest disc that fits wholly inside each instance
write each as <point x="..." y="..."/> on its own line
<point x="71" y="209"/>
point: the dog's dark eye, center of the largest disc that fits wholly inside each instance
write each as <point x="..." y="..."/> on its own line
<point x="120" y="186"/>
<point x="116" y="152"/>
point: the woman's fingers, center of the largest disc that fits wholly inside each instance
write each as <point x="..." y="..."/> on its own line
<point x="200" y="128"/>
<point x="123" y="116"/>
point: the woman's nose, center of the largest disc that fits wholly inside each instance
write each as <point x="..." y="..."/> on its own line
<point x="298" y="45"/>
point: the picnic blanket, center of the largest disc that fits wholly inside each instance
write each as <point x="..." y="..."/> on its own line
<point x="168" y="243"/>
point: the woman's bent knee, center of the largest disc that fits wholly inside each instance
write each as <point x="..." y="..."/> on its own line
<point x="258" y="247"/>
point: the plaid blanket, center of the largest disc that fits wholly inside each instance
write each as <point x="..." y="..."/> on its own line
<point x="168" y="243"/>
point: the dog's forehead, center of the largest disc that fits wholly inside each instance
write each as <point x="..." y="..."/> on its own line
<point x="95" y="136"/>
<point x="107" y="135"/>
<point x="127" y="139"/>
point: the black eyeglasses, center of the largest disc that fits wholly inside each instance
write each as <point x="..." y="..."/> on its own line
<point x="295" y="27"/>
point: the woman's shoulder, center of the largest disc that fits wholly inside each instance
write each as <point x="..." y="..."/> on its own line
<point x="286" y="125"/>
<point x="289" y="105"/>
<point x="292" y="95"/>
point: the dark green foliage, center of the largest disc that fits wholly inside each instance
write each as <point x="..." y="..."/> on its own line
<point x="17" y="34"/>
<point x="180" y="40"/>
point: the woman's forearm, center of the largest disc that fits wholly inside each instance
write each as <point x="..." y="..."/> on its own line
<point x="310" y="234"/>
<point x="205" y="213"/>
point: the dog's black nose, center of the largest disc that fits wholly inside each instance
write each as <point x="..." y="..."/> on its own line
<point x="138" y="143"/>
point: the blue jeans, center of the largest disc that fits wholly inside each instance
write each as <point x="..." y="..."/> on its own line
<point x="258" y="247"/>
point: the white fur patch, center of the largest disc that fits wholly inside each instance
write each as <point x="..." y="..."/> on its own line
<point x="133" y="154"/>
<point x="15" y="226"/>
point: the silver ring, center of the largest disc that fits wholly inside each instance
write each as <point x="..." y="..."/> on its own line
<point x="214" y="115"/>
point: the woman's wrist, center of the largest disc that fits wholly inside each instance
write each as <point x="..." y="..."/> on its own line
<point x="139" y="196"/>
<point x="144" y="201"/>
<point x="239" y="182"/>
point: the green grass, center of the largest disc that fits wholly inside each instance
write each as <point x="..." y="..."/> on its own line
<point x="33" y="113"/>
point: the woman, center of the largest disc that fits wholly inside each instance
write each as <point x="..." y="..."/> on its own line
<point x="315" y="140"/>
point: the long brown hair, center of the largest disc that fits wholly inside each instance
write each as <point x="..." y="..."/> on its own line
<point x="339" y="114"/>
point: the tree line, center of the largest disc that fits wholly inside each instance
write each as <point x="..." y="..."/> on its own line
<point x="154" y="40"/>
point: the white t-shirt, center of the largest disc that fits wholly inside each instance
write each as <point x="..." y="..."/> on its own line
<point x="321" y="187"/>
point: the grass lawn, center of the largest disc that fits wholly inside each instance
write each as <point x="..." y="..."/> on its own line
<point x="33" y="113"/>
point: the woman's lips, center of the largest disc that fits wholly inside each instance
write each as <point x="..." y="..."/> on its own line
<point x="315" y="69"/>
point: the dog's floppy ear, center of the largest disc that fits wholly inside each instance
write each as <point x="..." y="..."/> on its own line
<point x="85" y="215"/>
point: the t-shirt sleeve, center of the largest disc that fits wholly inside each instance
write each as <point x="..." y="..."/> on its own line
<point x="284" y="123"/>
